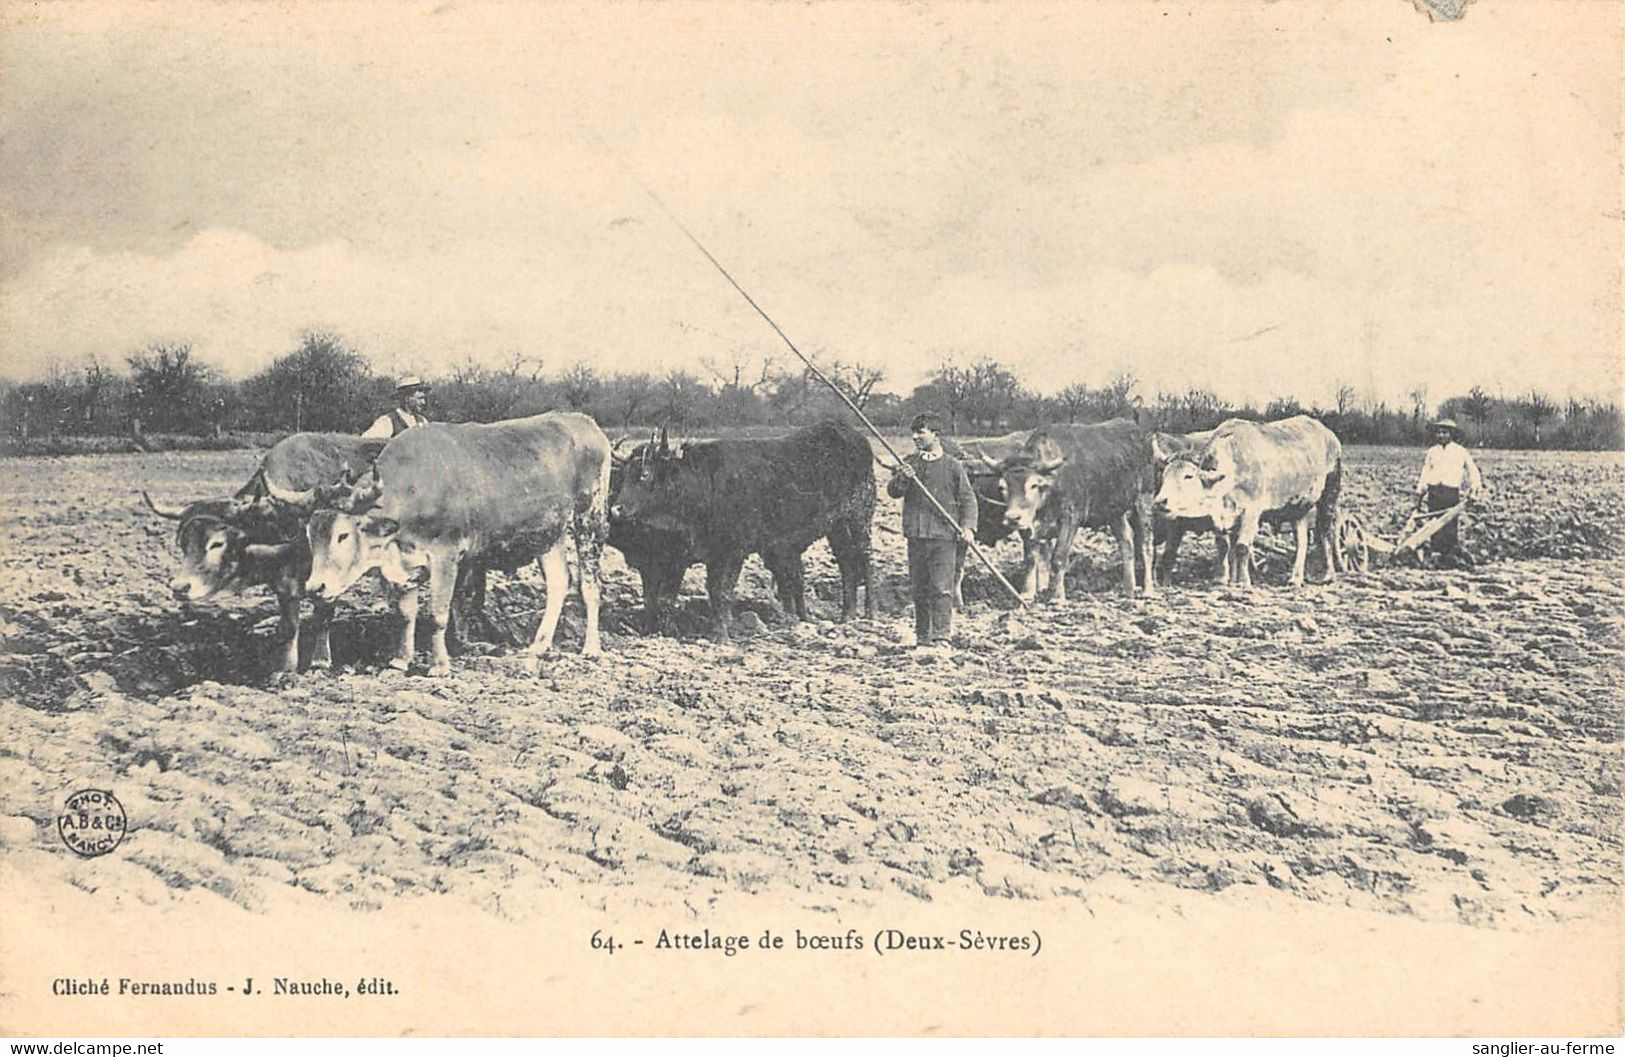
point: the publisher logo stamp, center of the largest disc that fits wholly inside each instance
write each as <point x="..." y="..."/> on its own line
<point x="92" y="822"/>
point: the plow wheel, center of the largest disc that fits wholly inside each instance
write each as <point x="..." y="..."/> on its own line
<point x="1352" y="545"/>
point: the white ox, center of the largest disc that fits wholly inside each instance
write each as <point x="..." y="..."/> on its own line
<point x="1249" y="472"/>
<point x="499" y="494"/>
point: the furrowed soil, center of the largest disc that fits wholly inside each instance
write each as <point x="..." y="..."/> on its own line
<point x="1415" y="742"/>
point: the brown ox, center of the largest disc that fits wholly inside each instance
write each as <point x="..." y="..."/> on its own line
<point x="1097" y="476"/>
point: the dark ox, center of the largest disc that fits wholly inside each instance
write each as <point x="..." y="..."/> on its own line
<point x="1248" y="473"/>
<point x="497" y="495"/>
<point x="254" y="539"/>
<point x="984" y="460"/>
<point x="719" y="501"/>
<point x="1097" y="476"/>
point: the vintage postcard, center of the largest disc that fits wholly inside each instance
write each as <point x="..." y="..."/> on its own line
<point x="820" y="519"/>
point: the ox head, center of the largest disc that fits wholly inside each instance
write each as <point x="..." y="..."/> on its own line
<point x="223" y="543"/>
<point x="1193" y="486"/>
<point x="644" y="479"/>
<point x="1029" y="477"/>
<point x="344" y="547"/>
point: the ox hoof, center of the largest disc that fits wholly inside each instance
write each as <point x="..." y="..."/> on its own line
<point x="321" y="664"/>
<point x="593" y="650"/>
<point x="437" y="671"/>
<point x="398" y="664"/>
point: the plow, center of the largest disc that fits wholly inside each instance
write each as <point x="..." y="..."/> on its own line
<point x="1360" y="547"/>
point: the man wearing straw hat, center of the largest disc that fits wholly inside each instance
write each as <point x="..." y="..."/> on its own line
<point x="933" y="543"/>
<point x="1449" y="476"/>
<point x="411" y="400"/>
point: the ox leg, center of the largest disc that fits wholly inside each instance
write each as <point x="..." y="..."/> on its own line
<point x="321" y="649"/>
<point x="721" y="579"/>
<point x="442" y="586"/>
<point x="1170" y="551"/>
<point x="556" y="576"/>
<point x="1058" y="560"/>
<point x="288" y="630"/>
<point x="1300" y="558"/>
<point x="1329" y="550"/>
<point x="851" y="557"/>
<point x="1145" y="532"/>
<point x="406" y="605"/>
<point x="1124" y="531"/>
<point x="1034" y="567"/>
<point x="1241" y="551"/>
<point x="788" y="583"/>
<point x="1221" y="561"/>
<point x="590" y="534"/>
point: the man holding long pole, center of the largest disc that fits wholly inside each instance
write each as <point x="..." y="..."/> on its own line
<point x="933" y="542"/>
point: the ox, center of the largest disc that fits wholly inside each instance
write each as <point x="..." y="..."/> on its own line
<point x="1097" y="476"/>
<point x="725" y="499"/>
<point x="1170" y="531"/>
<point x="983" y="461"/>
<point x="254" y="539"/>
<point x="496" y="495"/>
<point x="1247" y="473"/>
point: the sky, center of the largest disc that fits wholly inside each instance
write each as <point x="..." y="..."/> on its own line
<point x="1260" y="199"/>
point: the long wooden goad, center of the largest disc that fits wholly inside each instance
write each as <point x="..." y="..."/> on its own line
<point x="940" y="509"/>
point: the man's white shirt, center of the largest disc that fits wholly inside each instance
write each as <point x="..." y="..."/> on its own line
<point x="384" y="427"/>
<point x="1451" y="466"/>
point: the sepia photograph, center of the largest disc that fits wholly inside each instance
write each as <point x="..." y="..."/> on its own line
<point x="812" y="519"/>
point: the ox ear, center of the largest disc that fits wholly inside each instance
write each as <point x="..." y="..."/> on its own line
<point x="379" y="526"/>
<point x="1047" y="467"/>
<point x="1212" y="477"/>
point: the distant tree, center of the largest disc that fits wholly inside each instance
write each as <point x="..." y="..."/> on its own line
<point x="1476" y="407"/>
<point x="322" y="385"/>
<point x="1537" y="408"/>
<point x="579" y="387"/>
<point x="1282" y="407"/>
<point x="680" y="400"/>
<point x="624" y="396"/>
<point x="1120" y="392"/>
<point x="1073" y="399"/>
<point x="1346" y="396"/>
<point x="952" y="385"/>
<point x="168" y="387"/>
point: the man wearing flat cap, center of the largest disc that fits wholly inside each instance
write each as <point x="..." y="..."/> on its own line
<point x="1449" y="476"/>
<point x="411" y="400"/>
<point x="933" y="541"/>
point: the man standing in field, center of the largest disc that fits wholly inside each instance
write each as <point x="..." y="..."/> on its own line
<point x="933" y="542"/>
<point x="1449" y="476"/>
<point x="411" y="400"/>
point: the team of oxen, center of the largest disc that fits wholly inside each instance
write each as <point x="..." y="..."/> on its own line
<point x="454" y="501"/>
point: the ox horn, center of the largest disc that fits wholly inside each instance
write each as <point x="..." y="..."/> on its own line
<point x="173" y="515"/>
<point x="268" y="551"/>
<point x="255" y="488"/>
<point x="293" y="498"/>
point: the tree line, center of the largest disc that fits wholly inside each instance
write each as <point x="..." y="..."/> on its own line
<point x="325" y="384"/>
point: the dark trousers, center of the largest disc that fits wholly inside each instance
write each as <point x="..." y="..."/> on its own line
<point x="1443" y="497"/>
<point x="931" y="578"/>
